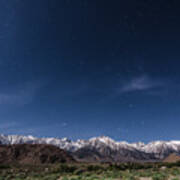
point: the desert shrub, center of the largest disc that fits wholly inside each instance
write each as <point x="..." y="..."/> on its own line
<point x="79" y="171"/>
<point x="130" y="166"/>
<point x="4" y="166"/>
<point x="128" y="176"/>
<point x="169" y="165"/>
<point x="143" y="173"/>
<point x="147" y="166"/>
<point x="51" y="177"/>
<point x="136" y="166"/>
<point x="159" y="176"/>
<point x="177" y="164"/>
<point x="118" y="167"/>
<point x="94" y="168"/>
<point x="64" y="168"/>
<point x="175" y="171"/>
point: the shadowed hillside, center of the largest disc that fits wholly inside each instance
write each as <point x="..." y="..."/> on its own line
<point x="33" y="154"/>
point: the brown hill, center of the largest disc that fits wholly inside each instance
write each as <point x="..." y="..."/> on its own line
<point x="33" y="154"/>
<point x="172" y="158"/>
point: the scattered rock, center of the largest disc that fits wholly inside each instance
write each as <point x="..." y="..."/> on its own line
<point x="163" y="168"/>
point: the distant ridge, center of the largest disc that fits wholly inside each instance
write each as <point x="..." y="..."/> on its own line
<point x="102" y="148"/>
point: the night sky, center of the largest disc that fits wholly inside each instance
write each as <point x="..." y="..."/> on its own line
<point x="84" y="68"/>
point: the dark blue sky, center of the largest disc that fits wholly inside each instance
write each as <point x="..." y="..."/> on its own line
<point x="83" y="68"/>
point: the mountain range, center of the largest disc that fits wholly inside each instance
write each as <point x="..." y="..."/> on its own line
<point x="102" y="149"/>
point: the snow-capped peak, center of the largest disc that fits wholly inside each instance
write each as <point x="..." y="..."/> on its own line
<point x="103" y="139"/>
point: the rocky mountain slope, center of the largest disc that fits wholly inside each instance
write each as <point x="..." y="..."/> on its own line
<point x="33" y="154"/>
<point x="103" y="148"/>
<point x="172" y="158"/>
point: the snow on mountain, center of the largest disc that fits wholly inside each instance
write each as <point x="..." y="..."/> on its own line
<point x="159" y="149"/>
<point x="103" y="140"/>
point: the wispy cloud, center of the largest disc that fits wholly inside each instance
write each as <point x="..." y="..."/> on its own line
<point x="142" y="83"/>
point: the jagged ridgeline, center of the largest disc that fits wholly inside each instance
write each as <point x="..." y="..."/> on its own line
<point x="102" y="149"/>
